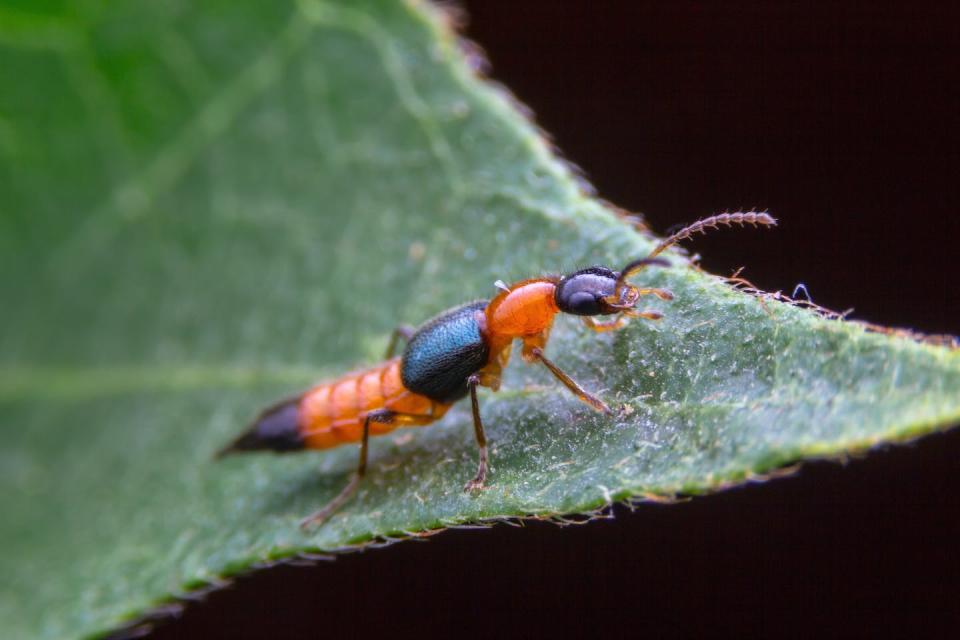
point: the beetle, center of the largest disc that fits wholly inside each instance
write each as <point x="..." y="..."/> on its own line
<point x="452" y="354"/>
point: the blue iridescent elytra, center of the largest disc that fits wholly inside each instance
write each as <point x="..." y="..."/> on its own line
<point x="444" y="352"/>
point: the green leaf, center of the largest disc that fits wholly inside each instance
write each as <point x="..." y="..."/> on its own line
<point x="206" y="206"/>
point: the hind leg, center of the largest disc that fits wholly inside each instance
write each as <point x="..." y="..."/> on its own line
<point x="347" y="492"/>
<point x="404" y="331"/>
<point x="384" y="416"/>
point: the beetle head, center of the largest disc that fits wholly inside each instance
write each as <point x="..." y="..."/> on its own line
<point x="598" y="291"/>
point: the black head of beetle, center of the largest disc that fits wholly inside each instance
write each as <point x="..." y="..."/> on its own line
<point x="582" y="292"/>
<point x="599" y="291"/>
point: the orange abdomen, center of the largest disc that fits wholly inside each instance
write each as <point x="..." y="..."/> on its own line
<point x="332" y="413"/>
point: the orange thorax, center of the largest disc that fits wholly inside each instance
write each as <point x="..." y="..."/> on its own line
<point x="526" y="310"/>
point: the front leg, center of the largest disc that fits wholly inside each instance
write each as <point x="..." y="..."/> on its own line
<point x="620" y="320"/>
<point x="610" y="325"/>
<point x="536" y="353"/>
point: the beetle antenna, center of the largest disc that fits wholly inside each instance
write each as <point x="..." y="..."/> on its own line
<point x="754" y="218"/>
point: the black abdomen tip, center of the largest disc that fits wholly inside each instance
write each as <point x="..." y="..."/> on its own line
<point x="275" y="429"/>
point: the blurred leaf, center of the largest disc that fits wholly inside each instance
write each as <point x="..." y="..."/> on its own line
<point x="208" y="205"/>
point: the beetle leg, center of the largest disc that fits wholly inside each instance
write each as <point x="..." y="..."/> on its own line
<point x="570" y="383"/>
<point x="612" y="325"/>
<point x="534" y="343"/>
<point x="648" y="315"/>
<point x="621" y="320"/>
<point x="404" y="331"/>
<point x="477" y="482"/>
<point x="489" y="376"/>
<point x="663" y="294"/>
<point x="345" y="494"/>
<point x="380" y="415"/>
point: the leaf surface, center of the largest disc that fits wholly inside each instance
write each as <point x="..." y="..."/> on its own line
<point x="205" y="207"/>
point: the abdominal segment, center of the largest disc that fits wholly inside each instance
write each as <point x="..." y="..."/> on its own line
<point x="333" y="413"/>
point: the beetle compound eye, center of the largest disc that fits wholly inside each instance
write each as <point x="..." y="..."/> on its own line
<point x="582" y="303"/>
<point x="582" y="293"/>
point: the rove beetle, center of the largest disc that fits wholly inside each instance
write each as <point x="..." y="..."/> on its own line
<point x="452" y="354"/>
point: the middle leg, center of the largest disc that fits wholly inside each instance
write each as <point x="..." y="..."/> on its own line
<point x="478" y="480"/>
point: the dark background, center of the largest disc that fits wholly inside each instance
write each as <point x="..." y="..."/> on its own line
<point x="844" y="120"/>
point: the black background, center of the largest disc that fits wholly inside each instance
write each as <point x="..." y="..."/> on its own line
<point x="844" y="120"/>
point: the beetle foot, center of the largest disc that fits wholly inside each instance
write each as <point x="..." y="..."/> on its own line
<point x="474" y="485"/>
